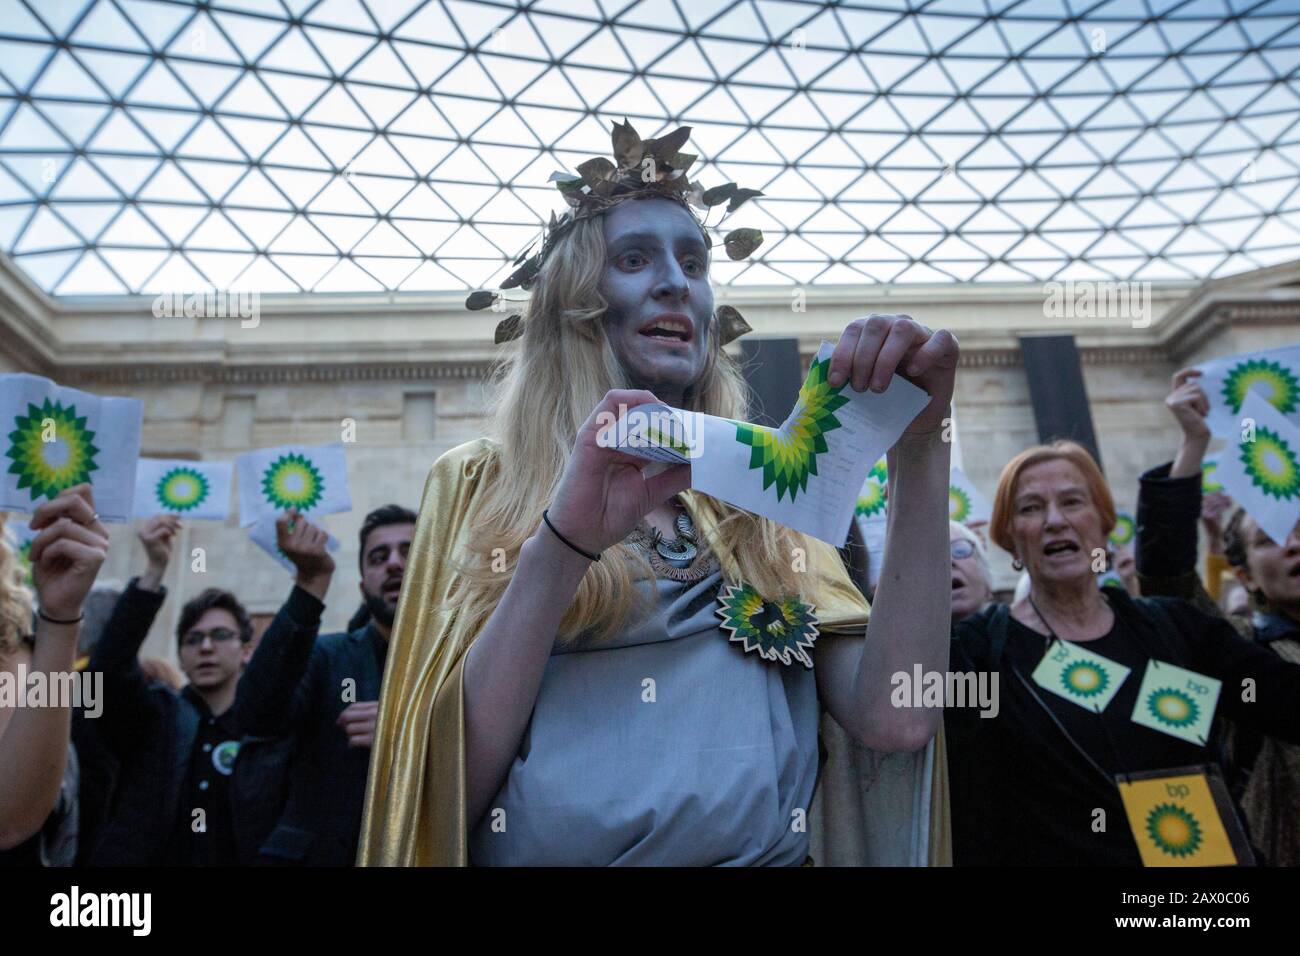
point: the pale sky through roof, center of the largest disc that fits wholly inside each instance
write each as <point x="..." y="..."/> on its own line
<point x="363" y="145"/>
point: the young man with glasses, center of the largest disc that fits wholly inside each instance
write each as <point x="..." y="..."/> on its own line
<point x="177" y="750"/>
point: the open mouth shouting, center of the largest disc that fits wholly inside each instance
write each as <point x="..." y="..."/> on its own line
<point x="1060" y="549"/>
<point x="671" y="328"/>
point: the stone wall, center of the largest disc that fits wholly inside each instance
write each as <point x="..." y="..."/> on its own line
<point x="410" y="372"/>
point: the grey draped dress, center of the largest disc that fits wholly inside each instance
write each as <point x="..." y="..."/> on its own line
<point x="667" y="745"/>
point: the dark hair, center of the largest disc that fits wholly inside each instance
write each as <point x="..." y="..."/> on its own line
<point x="210" y="598"/>
<point x="1234" y="542"/>
<point x="384" y="515"/>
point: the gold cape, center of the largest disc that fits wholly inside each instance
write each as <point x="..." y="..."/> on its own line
<point x="415" y="794"/>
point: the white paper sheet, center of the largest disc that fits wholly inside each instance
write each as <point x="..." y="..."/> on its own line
<point x="190" y="489"/>
<point x="56" y="437"/>
<point x="807" y="473"/>
<point x="312" y="478"/>
<point x="1274" y="374"/>
<point x="1263" y="476"/>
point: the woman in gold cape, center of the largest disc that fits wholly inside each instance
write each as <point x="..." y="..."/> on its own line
<point x="482" y="503"/>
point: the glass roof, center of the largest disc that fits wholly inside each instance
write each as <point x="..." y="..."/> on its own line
<point x="364" y="145"/>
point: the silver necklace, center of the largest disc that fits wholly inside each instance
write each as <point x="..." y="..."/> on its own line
<point x="681" y="548"/>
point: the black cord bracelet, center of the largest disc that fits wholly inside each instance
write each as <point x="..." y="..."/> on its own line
<point x="54" y="620"/>
<point x="586" y="554"/>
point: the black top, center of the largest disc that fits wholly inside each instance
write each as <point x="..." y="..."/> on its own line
<point x="1022" y="794"/>
<point x="295" y="687"/>
<point x="207" y="839"/>
<point x="158" y="736"/>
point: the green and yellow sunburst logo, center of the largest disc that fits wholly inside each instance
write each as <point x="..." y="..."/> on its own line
<point x="958" y="504"/>
<point x="778" y="630"/>
<point x="1125" y="529"/>
<point x="878" y="472"/>
<point x="1172" y="707"/>
<point x="1271" y="464"/>
<point x="871" y="500"/>
<point x="1085" y="679"/>
<point x="1271" y="380"/>
<point x="788" y="455"/>
<point x="1210" y="482"/>
<point x="292" y="481"/>
<point x="1174" y="830"/>
<point x="50" y="457"/>
<point x="181" y="489"/>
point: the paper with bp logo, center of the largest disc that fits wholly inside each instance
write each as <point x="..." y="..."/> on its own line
<point x="1183" y="818"/>
<point x="55" y="437"/>
<point x="190" y="489"/>
<point x="807" y="473"/>
<point x="311" y="478"/>
<point x="1260" y="467"/>
<point x="1272" y="374"/>
<point x="1079" y="676"/>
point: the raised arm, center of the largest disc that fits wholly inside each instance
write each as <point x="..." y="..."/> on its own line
<point x="910" y="617"/>
<point x="600" y="498"/>
<point x="66" y="555"/>
<point x="127" y="705"/>
<point x="1169" y="503"/>
<point x="276" y="690"/>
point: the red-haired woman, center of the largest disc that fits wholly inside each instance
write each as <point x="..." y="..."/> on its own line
<point x="1036" y="782"/>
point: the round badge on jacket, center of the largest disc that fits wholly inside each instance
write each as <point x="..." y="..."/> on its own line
<point x="223" y="757"/>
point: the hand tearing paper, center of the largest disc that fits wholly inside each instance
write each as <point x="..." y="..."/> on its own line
<point x="807" y="473"/>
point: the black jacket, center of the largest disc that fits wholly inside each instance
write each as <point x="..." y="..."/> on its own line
<point x="1168" y="512"/>
<point x="152" y="730"/>
<point x="296" y="686"/>
<point x="1023" y="795"/>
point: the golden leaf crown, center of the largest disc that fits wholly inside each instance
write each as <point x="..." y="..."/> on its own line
<point x="641" y="169"/>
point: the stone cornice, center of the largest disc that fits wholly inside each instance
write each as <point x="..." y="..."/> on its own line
<point x="370" y="337"/>
<point x="473" y="369"/>
<point x="254" y="375"/>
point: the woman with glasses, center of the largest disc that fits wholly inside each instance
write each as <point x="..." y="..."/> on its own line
<point x="972" y="586"/>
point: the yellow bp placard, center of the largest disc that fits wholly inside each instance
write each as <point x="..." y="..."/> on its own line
<point x="1176" y="821"/>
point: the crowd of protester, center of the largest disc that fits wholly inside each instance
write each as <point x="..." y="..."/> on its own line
<point x="244" y="757"/>
<point x="260" y="756"/>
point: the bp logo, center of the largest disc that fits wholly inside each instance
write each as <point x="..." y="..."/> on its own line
<point x="958" y="504"/>
<point x="1209" y="479"/>
<point x="1272" y="380"/>
<point x="1271" y="464"/>
<point x="871" y="501"/>
<point x="181" y="489"/>
<point x="49" y="466"/>
<point x="223" y="757"/>
<point x="1174" y="829"/>
<point x="292" y="481"/>
<point x="1085" y="679"/>
<point x="1173" y="708"/>
<point x="1125" y="528"/>
<point x="788" y="455"/>
<point x="777" y="630"/>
